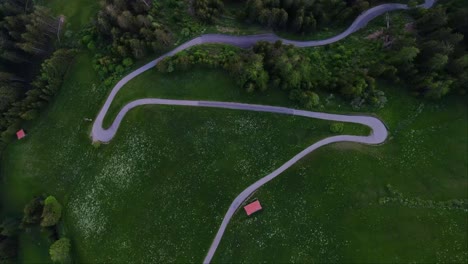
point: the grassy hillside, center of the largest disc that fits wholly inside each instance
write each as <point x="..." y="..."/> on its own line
<point x="159" y="190"/>
<point x="327" y="208"/>
<point x="330" y="212"/>
<point x="157" y="193"/>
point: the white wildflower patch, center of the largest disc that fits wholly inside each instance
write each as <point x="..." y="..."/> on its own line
<point x="118" y="174"/>
<point x="88" y="213"/>
<point x="122" y="169"/>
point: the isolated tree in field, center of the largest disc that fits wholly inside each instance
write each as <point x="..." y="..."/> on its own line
<point x="60" y="251"/>
<point x="52" y="212"/>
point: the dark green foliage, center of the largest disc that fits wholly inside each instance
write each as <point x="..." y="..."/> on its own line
<point x="33" y="211"/>
<point x="302" y="16"/>
<point x="433" y="57"/>
<point x="42" y="90"/>
<point x="308" y="99"/>
<point x="8" y="249"/>
<point x="46" y="212"/>
<point x="130" y="29"/>
<point x="127" y="62"/>
<point x="50" y="78"/>
<point x="247" y="67"/>
<point x="8" y="240"/>
<point x="9" y="227"/>
<point x="11" y="87"/>
<point x="27" y="33"/>
<point x="300" y="72"/>
<point x="287" y="67"/>
<point x="207" y="10"/>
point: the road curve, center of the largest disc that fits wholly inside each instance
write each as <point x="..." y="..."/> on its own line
<point x="378" y="130"/>
<point x="377" y="136"/>
<point x="98" y="133"/>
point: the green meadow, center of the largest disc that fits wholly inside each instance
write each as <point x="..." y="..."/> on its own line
<point x="158" y="191"/>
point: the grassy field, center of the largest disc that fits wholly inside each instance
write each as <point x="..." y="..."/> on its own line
<point x="330" y="211"/>
<point x="158" y="192"/>
<point x="202" y="84"/>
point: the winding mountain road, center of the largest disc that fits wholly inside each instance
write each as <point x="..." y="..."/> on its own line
<point x="378" y="130"/>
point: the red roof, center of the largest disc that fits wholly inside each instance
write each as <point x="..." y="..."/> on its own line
<point x="20" y="134"/>
<point x="252" y="207"/>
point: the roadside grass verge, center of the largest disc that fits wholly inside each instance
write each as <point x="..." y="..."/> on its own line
<point x="196" y="84"/>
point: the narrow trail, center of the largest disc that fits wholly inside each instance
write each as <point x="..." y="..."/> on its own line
<point x="378" y="133"/>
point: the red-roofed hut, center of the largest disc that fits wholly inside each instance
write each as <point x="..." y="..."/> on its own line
<point x="253" y="207"/>
<point x="20" y="134"/>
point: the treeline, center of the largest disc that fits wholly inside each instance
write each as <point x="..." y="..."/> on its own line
<point x="123" y="32"/>
<point x="303" y="16"/>
<point x="129" y="29"/>
<point x="300" y="73"/>
<point x="25" y="35"/>
<point x="246" y="66"/>
<point x="294" y="15"/>
<point x="28" y="79"/>
<point x="41" y="91"/>
<point x="431" y="54"/>
<point x="43" y="212"/>
<point x="428" y="55"/>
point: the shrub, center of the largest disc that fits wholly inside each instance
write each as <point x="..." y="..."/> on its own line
<point x="52" y="212"/>
<point x="337" y="128"/>
<point x="60" y="251"/>
<point x="32" y="211"/>
<point x="86" y="39"/>
<point x="91" y="46"/>
<point x="127" y="62"/>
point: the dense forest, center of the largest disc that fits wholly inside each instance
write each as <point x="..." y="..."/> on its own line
<point x="302" y="16"/>
<point x="130" y="29"/>
<point x="293" y="15"/>
<point x="207" y="10"/>
<point x="31" y="69"/>
<point x="428" y="54"/>
<point x="432" y="55"/>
